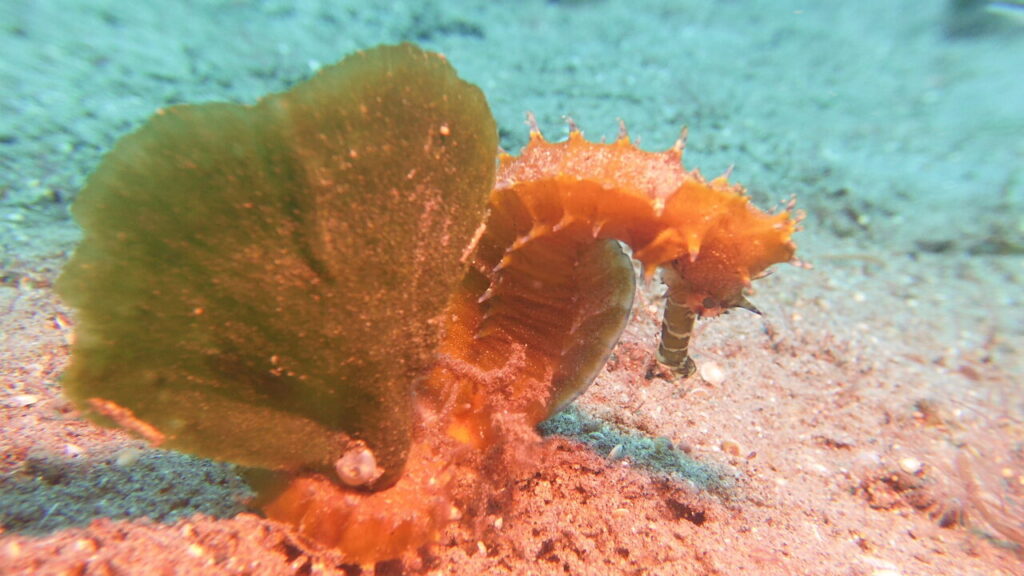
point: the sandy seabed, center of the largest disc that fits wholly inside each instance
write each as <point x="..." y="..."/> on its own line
<point x="870" y="422"/>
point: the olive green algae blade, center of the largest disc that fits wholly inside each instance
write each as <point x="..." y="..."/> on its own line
<point x="261" y="284"/>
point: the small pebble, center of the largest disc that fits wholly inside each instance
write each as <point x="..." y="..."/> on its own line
<point x="712" y="373"/>
<point x="731" y="447"/>
<point x="616" y="452"/>
<point x="22" y="400"/>
<point x="820" y="469"/>
<point x="86" y="545"/>
<point x="911" y="465"/>
<point x="128" y="457"/>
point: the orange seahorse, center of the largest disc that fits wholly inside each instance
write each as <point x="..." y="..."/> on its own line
<point x="546" y="296"/>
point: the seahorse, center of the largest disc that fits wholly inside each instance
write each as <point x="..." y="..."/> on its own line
<point x="547" y="293"/>
<point x="548" y="276"/>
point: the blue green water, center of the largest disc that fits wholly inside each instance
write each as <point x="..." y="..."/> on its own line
<point x="899" y="125"/>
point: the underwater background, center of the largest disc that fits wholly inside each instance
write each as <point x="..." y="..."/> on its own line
<point x="881" y="394"/>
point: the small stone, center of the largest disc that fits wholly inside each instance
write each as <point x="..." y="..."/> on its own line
<point x="616" y="452"/>
<point x="712" y="373"/>
<point x="22" y="400"/>
<point x="731" y="447"/>
<point x="127" y="457"/>
<point x="358" y="466"/>
<point x="86" y="545"/>
<point x="12" y="549"/>
<point x="820" y="469"/>
<point x="911" y="465"/>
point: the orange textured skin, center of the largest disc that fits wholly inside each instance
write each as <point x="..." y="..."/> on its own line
<point x="505" y="328"/>
<point x="717" y="238"/>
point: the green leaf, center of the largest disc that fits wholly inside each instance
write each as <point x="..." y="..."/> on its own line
<point x="260" y="284"/>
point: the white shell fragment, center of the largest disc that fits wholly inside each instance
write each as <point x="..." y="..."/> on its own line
<point x="712" y="373"/>
<point x="358" y="466"/>
<point x="616" y="452"/>
<point x="911" y="465"/>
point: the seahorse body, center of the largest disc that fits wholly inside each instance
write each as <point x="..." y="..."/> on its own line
<point x="546" y="296"/>
<point x="548" y="287"/>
